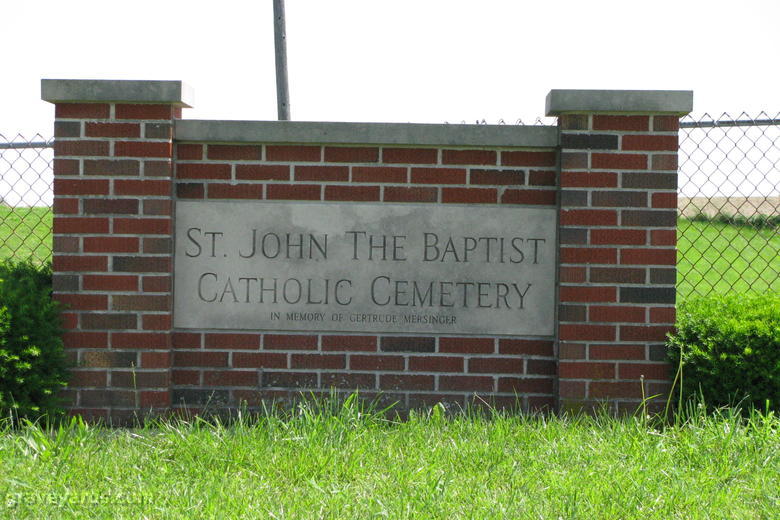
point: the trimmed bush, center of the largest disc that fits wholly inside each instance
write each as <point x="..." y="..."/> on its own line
<point x="730" y="348"/>
<point x="32" y="359"/>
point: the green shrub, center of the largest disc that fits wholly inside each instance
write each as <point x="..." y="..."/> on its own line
<point x="32" y="359"/>
<point x="730" y="348"/>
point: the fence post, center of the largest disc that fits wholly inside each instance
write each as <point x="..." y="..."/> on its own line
<point x="618" y="200"/>
<point x="113" y="205"/>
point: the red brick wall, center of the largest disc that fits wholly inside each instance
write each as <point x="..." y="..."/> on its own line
<point x="226" y="368"/>
<point x="617" y="269"/>
<point x="112" y="253"/>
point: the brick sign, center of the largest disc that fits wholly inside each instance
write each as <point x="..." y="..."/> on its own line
<point x="206" y="265"/>
<point x="365" y="268"/>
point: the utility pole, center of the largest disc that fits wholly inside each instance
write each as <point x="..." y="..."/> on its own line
<point x="280" y="44"/>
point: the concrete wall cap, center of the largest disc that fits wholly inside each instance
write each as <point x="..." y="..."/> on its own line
<point x="677" y="102"/>
<point x="175" y="93"/>
<point x="366" y="133"/>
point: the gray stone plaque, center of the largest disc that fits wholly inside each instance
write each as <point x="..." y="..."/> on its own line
<point x="372" y="268"/>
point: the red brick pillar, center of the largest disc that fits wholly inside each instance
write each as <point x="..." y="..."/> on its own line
<point x="113" y="246"/>
<point x="618" y="200"/>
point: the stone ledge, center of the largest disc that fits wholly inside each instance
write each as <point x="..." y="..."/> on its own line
<point x="176" y="93"/>
<point x="500" y="136"/>
<point x="678" y="102"/>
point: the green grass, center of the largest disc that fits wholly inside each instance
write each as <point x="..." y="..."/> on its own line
<point x="25" y="233"/>
<point x="345" y="464"/>
<point x="726" y="259"/>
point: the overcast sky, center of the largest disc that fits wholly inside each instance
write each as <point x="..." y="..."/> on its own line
<point x="393" y="60"/>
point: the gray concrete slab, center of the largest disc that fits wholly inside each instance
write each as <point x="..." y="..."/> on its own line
<point x="366" y="133"/>
<point x="98" y="90"/>
<point x="677" y="102"/>
<point x="353" y="267"/>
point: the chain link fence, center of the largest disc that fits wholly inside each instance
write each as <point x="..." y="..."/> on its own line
<point x="729" y="202"/>
<point x="26" y="196"/>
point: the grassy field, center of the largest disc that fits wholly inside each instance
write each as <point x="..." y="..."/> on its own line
<point x="25" y="233"/>
<point x="344" y="464"/>
<point x="726" y="258"/>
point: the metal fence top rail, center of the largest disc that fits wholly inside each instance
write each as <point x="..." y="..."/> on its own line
<point x="33" y="144"/>
<point x="729" y="123"/>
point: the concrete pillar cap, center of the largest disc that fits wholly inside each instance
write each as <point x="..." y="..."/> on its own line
<point x="671" y="102"/>
<point x="174" y="93"/>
